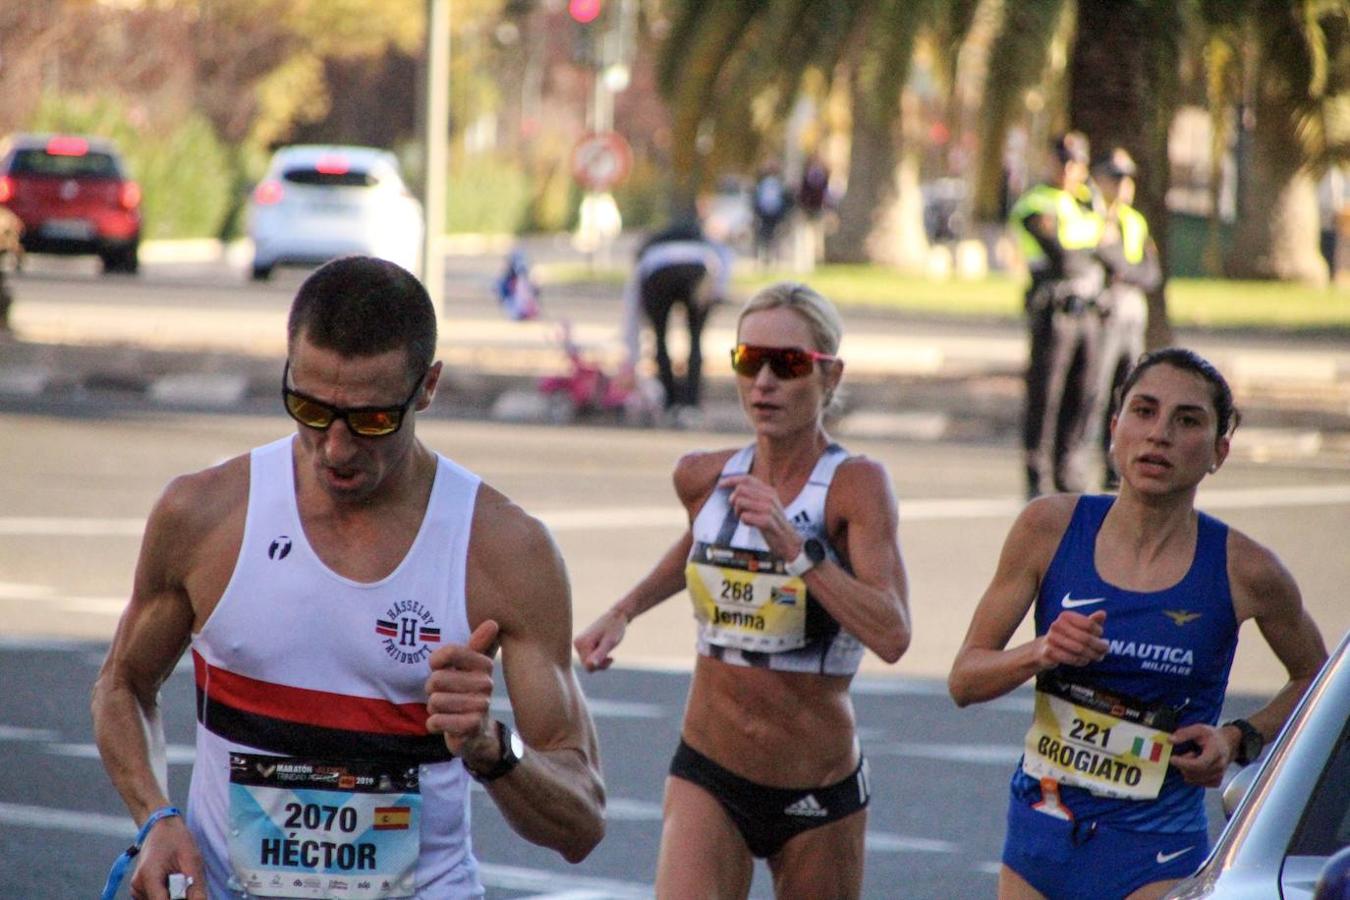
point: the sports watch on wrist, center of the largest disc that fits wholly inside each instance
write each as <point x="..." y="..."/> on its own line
<point x="812" y="555"/>
<point x="1250" y="744"/>
<point x="513" y="748"/>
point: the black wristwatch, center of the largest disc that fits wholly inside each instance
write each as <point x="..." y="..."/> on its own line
<point x="513" y="748"/>
<point x="1249" y="745"/>
<point x="812" y="555"/>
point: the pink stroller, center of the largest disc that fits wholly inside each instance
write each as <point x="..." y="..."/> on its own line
<point x="587" y="386"/>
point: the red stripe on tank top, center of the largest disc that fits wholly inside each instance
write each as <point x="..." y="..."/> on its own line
<point x="308" y="707"/>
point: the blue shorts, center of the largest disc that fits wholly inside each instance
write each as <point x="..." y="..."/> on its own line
<point x="1077" y="860"/>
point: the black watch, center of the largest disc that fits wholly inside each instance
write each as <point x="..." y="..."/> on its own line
<point x="513" y="748"/>
<point x="1249" y="745"/>
<point x="812" y="555"/>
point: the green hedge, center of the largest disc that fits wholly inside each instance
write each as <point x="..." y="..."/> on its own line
<point x="186" y="177"/>
<point x="487" y="195"/>
<point x="484" y="195"/>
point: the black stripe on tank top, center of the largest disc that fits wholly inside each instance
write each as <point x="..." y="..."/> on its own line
<point x="299" y="739"/>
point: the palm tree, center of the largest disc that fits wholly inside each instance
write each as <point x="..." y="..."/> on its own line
<point x="869" y="229"/>
<point x="723" y="56"/>
<point x="1122" y="93"/>
<point x="1122" y="88"/>
<point x="1297" y="76"/>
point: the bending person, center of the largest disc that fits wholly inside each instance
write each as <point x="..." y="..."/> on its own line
<point x="1138" y="600"/>
<point x="344" y="591"/>
<point x="678" y="266"/>
<point x="793" y="566"/>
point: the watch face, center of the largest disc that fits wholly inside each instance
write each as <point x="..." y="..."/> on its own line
<point x="517" y="748"/>
<point x="815" y="550"/>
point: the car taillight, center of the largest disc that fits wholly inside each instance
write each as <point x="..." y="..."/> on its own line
<point x="129" y="195"/>
<point x="332" y="164"/>
<point x="6" y="189"/>
<point x="268" y="193"/>
<point x="67" y="146"/>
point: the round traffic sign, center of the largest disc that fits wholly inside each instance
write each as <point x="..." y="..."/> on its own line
<point x="601" y="160"/>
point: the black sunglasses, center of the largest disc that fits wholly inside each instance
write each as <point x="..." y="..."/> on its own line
<point x="366" y="421"/>
<point x="784" y="362"/>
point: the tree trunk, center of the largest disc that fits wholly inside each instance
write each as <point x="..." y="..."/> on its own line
<point x="1123" y="85"/>
<point x="690" y="83"/>
<point x="873" y="184"/>
<point x="1276" y="233"/>
<point x="1017" y="58"/>
<point x="869" y="221"/>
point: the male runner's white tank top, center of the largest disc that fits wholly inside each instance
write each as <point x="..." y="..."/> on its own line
<point x="314" y="775"/>
<point x="719" y="537"/>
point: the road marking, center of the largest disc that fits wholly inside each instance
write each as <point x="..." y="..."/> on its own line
<point x="176" y="754"/>
<point x="519" y="878"/>
<point x="884" y="842"/>
<point x="979" y="754"/>
<point x="623" y="709"/>
<point x="54" y="526"/>
<point x="622" y="809"/>
<point x="620" y="517"/>
<point x="11" y="590"/>
<point x="22" y="816"/>
<point x="15" y="733"/>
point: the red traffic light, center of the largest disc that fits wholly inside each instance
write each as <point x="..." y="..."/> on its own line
<point x="584" y="11"/>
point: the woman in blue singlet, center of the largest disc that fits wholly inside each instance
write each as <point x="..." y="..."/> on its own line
<point x="1137" y="602"/>
<point x="793" y="566"/>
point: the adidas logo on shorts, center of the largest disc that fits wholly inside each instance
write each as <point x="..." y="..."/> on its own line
<point x="807" y="806"/>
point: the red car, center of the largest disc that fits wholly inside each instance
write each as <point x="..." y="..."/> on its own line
<point x="74" y="197"/>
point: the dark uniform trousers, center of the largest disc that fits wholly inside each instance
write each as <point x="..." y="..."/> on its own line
<point x="1065" y="332"/>
<point x="662" y="289"/>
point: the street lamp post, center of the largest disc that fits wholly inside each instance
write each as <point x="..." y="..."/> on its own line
<point x="437" y="119"/>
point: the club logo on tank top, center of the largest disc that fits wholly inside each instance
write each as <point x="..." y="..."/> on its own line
<point x="408" y="631"/>
<point x="280" y="548"/>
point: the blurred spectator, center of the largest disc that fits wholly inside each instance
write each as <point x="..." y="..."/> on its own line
<point x="1131" y="261"/>
<point x="1333" y="199"/>
<point x="678" y="266"/>
<point x="772" y="202"/>
<point x="1057" y="231"/>
<point x="11" y="253"/>
<point x="517" y="292"/>
<point x="813" y="195"/>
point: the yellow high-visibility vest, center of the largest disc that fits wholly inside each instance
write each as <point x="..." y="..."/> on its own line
<point x="1133" y="232"/>
<point x="1078" y="227"/>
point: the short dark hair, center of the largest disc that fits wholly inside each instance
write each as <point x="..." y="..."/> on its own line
<point x="362" y="306"/>
<point x="1227" y="416"/>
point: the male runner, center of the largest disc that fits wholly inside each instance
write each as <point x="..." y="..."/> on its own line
<point x="344" y="591"/>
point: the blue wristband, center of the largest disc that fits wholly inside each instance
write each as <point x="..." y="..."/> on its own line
<point x="119" y="868"/>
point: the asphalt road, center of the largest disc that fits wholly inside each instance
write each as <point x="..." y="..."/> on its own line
<point x="79" y="480"/>
<point x="82" y="469"/>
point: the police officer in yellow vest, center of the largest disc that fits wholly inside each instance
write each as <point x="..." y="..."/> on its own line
<point x="1057" y="229"/>
<point x="1133" y="270"/>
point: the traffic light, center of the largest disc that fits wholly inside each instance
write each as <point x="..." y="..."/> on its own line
<point x="584" y="11"/>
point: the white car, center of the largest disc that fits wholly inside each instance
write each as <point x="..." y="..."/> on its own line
<point x="317" y="203"/>
<point x="1290" y="815"/>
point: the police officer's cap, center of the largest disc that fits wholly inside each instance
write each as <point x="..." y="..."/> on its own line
<point x="1117" y="165"/>
<point x="1071" y="147"/>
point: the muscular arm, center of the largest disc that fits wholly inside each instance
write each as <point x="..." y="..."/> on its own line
<point x="984" y="667"/>
<point x="154" y="630"/>
<point x="695" y="475"/>
<point x="872" y="602"/>
<point x="1263" y="590"/>
<point x="555" y="797"/>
